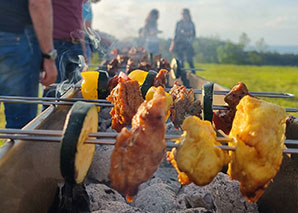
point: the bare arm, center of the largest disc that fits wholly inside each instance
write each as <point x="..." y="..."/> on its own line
<point x="42" y="18"/>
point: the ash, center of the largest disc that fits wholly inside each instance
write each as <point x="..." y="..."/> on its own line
<point x="163" y="192"/>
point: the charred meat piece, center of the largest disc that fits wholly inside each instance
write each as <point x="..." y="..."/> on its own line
<point x="160" y="79"/>
<point x="122" y="59"/>
<point x="163" y="64"/>
<point x="139" y="151"/>
<point x="130" y="66"/>
<point x="223" y="118"/>
<point x="236" y="94"/>
<point x="126" y="97"/>
<point x="112" y="83"/>
<point x="183" y="103"/>
<point x="144" y="66"/>
<point x="112" y="67"/>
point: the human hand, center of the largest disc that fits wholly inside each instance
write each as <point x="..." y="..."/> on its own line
<point x="50" y="72"/>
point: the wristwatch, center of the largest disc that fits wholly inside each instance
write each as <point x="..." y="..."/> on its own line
<point x="50" y="55"/>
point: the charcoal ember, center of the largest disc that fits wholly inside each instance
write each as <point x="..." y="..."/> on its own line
<point x="292" y="126"/>
<point x="119" y="207"/>
<point x="105" y="200"/>
<point x="227" y="197"/>
<point x="100" y="193"/>
<point x="104" y="119"/>
<point x="100" y="167"/>
<point x="156" y="198"/>
<point x="165" y="176"/>
<point x="104" y="113"/>
<point x="193" y="196"/>
<point x="193" y="210"/>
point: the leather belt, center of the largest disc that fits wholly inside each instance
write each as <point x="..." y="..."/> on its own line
<point x="72" y="40"/>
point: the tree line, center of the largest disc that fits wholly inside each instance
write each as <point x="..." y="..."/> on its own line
<point x="215" y="50"/>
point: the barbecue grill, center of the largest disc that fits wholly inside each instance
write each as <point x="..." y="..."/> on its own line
<point x="29" y="171"/>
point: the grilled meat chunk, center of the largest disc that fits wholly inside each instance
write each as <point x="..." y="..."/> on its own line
<point x="223" y="118"/>
<point x="183" y="103"/>
<point x="160" y="79"/>
<point x="112" y="67"/>
<point x="126" y="97"/>
<point x="163" y="64"/>
<point x="259" y="133"/>
<point x="139" y="151"/>
<point x="197" y="159"/>
<point x="144" y="66"/>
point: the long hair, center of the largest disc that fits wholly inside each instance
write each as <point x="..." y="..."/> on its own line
<point x="152" y="18"/>
<point x="186" y="11"/>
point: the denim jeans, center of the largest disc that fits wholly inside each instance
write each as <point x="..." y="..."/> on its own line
<point x="20" y="61"/>
<point x="68" y="61"/>
<point x="68" y="65"/>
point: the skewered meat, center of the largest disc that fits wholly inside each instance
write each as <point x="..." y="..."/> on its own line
<point x="259" y="132"/>
<point x="112" y="67"/>
<point x="184" y="103"/>
<point x="163" y="64"/>
<point x="144" y="66"/>
<point x="223" y="118"/>
<point x="126" y="97"/>
<point x="139" y="151"/>
<point x="161" y="78"/>
<point x="131" y="65"/>
<point x="197" y="157"/>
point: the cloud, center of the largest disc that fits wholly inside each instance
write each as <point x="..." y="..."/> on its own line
<point x="226" y="18"/>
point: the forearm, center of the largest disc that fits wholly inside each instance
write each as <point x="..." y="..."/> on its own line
<point x="42" y="18"/>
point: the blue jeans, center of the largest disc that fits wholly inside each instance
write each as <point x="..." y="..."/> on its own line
<point x="20" y="62"/>
<point x="68" y="61"/>
<point x="68" y="65"/>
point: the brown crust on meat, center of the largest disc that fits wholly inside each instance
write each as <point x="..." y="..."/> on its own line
<point x="126" y="97"/>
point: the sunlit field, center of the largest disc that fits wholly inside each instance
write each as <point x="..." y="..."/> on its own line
<point x="257" y="78"/>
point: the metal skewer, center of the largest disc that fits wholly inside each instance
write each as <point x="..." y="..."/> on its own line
<point x="99" y="102"/>
<point x="220" y="92"/>
<point x="53" y="99"/>
<point x="19" y="101"/>
<point x="108" y="138"/>
<point x="257" y="94"/>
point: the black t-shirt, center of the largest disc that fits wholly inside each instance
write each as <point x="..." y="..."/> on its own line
<point x="14" y="15"/>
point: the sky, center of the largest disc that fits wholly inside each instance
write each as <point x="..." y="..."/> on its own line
<point x="274" y="20"/>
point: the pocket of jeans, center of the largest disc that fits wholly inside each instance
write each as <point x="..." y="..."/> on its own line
<point x="9" y="41"/>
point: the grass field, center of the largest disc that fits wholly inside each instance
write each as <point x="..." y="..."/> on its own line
<point x="257" y="78"/>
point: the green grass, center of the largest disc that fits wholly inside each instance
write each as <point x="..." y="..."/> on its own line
<point x="257" y="78"/>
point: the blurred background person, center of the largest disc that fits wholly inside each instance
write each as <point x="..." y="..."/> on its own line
<point x="87" y="25"/>
<point x="185" y="34"/>
<point x="149" y="32"/>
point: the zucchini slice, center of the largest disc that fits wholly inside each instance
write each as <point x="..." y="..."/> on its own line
<point x="102" y="84"/>
<point x="75" y="156"/>
<point x="207" y="101"/>
<point x="148" y="82"/>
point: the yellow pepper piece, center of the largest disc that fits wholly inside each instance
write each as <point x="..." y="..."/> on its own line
<point x="149" y="96"/>
<point x="89" y="84"/>
<point x="138" y="75"/>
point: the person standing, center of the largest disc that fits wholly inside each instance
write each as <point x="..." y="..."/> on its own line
<point x="26" y="45"/>
<point x="149" y="32"/>
<point x="68" y="40"/>
<point x="185" y="34"/>
<point x="87" y="25"/>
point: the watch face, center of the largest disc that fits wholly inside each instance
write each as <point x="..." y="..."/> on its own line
<point x="53" y="54"/>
